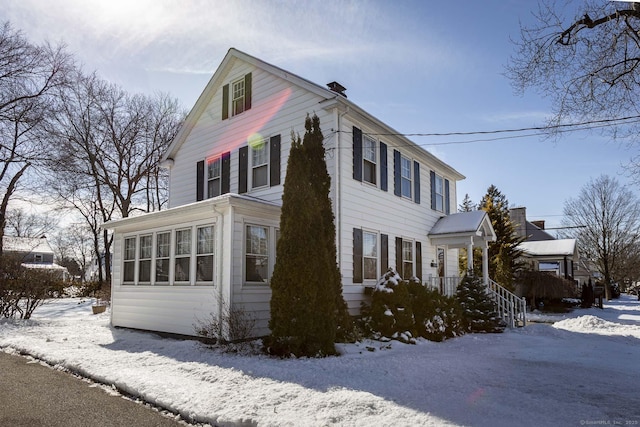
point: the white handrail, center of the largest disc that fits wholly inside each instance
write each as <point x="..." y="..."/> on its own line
<point x="511" y="307"/>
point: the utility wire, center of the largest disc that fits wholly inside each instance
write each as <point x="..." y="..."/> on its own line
<point x="607" y="122"/>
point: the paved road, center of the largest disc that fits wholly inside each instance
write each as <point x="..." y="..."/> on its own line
<point x="32" y="395"/>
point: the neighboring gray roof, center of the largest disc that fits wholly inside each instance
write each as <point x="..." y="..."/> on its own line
<point x="26" y="244"/>
<point x="547" y="248"/>
<point x="535" y="233"/>
<point x="461" y="222"/>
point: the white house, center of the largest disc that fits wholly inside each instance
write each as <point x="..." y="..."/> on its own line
<point x="35" y="253"/>
<point x="216" y="244"/>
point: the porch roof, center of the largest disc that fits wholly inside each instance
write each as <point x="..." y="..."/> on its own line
<point x="463" y="228"/>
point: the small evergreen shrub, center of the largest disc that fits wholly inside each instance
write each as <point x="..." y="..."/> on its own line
<point x="391" y="314"/>
<point x="478" y="308"/>
<point x="437" y="317"/>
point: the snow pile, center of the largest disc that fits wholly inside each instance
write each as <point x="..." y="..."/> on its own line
<point x="594" y="325"/>
<point x="529" y="376"/>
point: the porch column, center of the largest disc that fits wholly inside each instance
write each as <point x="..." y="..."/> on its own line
<point x="470" y="256"/>
<point x="485" y="263"/>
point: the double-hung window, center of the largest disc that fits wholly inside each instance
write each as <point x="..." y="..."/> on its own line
<point x="405" y="173"/>
<point x="260" y="164"/>
<point x="370" y="255"/>
<point x="163" y="254"/>
<point x="257" y="254"/>
<point x="369" y="159"/>
<point x="129" y="273"/>
<point x="439" y="193"/>
<point x="204" y="256"/>
<point x="237" y="98"/>
<point x="183" y="255"/>
<point x="144" y="262"/>
<point x="213" y="177"/>
<point x="407" y="259"/>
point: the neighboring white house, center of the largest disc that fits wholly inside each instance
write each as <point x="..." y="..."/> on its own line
<point x="543" y="251"/>
<point x="216" y="244"/>
<point x="34" y="253"/>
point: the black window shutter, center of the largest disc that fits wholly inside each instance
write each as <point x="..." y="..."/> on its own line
<point x="416" y="181"/>
<point x="274" y="160"/>
<point x="384" y="184"/>
<point x="399" y="255"/>
<point x="357" y="255"/>
<point x="419" y="260"/>
<point x="226" y="173"/>
<point x="397" y="178"/>
<point x="200" y="180"/>
<point x="243" y="167"/>
<point x="247" y="92"/>
<point x="357" y="154"/>
<point x="225" y="102"/>
<point x="447" y="209"/>
<point x="384" y="253"/>
<point x="432" y="176"/>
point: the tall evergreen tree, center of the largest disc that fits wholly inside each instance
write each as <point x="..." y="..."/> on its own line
<point x="307" y="307"/>
<point x="504" y="252"/>
<point x="466" y="205"/>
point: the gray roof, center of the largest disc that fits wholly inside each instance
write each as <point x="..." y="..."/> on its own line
<point x="461" y="222"/>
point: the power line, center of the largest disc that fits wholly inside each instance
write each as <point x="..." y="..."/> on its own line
<point x="607" y="122"/>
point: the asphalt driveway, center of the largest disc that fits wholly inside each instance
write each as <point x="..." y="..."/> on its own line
<point x="32" y="395"/>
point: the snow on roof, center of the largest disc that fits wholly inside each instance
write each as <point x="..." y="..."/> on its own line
<point x="26" y="244"/>
<point x="560" y="247"/>
<point x="461" y="222"/>
<point x="40" y="266"/>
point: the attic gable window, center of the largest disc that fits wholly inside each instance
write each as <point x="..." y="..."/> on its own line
<point x="236" y="97"/>
<point x="237" y="100"/>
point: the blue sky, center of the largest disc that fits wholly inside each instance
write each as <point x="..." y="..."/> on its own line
<point x="420" y="66"/>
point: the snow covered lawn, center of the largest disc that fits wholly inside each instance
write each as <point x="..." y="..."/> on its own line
<point x="582" y="370"/>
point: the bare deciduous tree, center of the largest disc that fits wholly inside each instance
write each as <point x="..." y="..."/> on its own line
<point x="107" y="153"/>
<point x="21" y="223"/>
<point x="585" y="57"/>
<point x="28" y="76"/>
<point x="605" y="219"/>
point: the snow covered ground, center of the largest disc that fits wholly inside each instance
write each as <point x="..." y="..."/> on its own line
<point x="582" y="370"/>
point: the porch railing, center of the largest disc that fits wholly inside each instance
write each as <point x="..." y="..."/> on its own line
<point x="445" y="285"/>
<point x="511" y="307"/>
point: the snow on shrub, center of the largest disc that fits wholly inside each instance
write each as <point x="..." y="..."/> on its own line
<point x="403" y="310"/>
<point x="437" y="317"/>
<point x="391" y="314"/>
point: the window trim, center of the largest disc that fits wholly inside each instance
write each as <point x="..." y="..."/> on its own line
<point x="273" y="234"/>
<point x="440" y="197"/>
<point x="266" y="165"/>
<point x="213" y="179"/>
<point x="404" y="179"/>
<point x="408" y="243"/>
<point x="140" y="259"/>
<point x="240" y="99"/>
<point x="366" y="139"/>
<point x="199" y="255"/>
<point x="376" y="236"/>
<point x="172" y="257"/>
